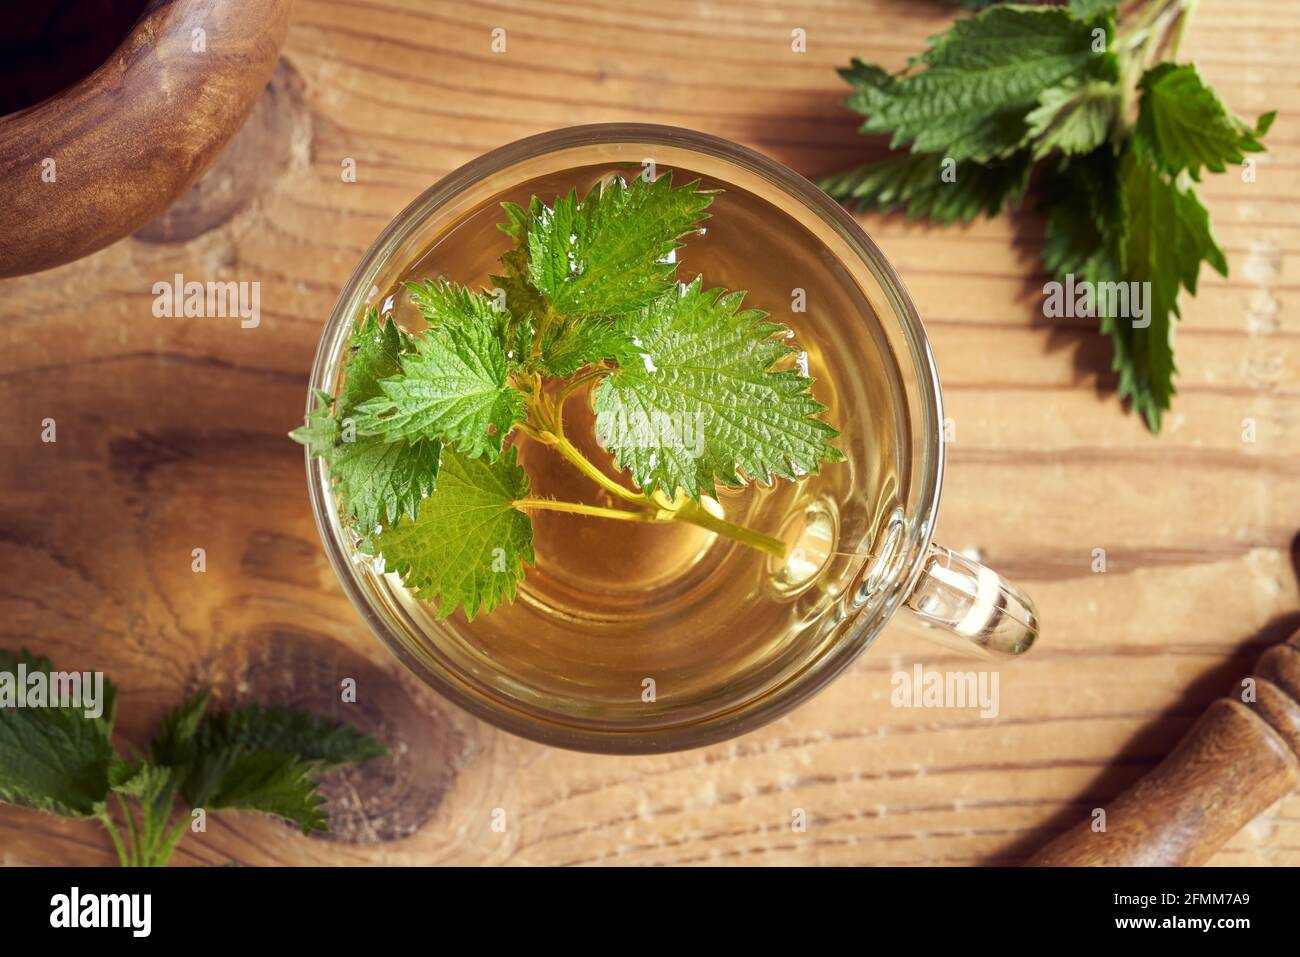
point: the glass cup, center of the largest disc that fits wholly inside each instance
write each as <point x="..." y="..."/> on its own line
<point x="747" y="638"/>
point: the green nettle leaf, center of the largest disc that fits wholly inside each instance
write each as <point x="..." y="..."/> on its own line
<point x="300" y="734"/>
<point x="872" y="86"/>
<point x="915" y="182"/>
<point x="1128" y="222"/>
<point x="174" y="742"/>
<point x="1090" y="9"/>
<point x="52" y="759"/>
<point x="1073" y="118"/>
<point x="571" y="342"/>
<point x="454" y="386"/>
<point x="468" y="545"/>
<point x="141" y="780"/>
<point x="153" y="786"/>
<point x="256" y="757"/>
<point x="278" y="784"/>
<point x="564" y="343"/>
<point x="378" y="480"/>
<point x="1086" y="219"/>
<point x="1167" y="239"/>
<point x="612" y="251"/>
<point x="697" y="400"/>
<point x="522" y="299"/>
<point x="979" y="81"/>
<point x="321" y="432"/>
<point x="377" y="348"/>
<point x="1185" y="126"/>
<point x="445" y="303"/>
<point x="382" y="481"/>
<point x="1016" y="82"/>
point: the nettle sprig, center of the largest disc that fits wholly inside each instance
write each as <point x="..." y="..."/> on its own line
<point x="1121" y="138"/>
<point x="691" y="389"/>
<point x="57" y="758"/>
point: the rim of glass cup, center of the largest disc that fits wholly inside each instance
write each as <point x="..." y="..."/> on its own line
<point x="813" y="676"/>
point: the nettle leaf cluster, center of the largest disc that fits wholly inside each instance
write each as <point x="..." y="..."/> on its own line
<point x="246" y="758"/>
<point x="690" y="389"/>
<point x="1115" y="138"/>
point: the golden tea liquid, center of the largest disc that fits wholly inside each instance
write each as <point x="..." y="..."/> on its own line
<point x="646" y="625"/>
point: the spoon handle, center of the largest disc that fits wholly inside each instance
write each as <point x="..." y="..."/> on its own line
<point x="1240" y="757"/>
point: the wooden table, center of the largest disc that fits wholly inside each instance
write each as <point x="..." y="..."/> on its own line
<point x="170" y="437"/>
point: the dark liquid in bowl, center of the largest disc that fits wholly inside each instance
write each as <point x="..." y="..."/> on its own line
<point x="48" y="45"/>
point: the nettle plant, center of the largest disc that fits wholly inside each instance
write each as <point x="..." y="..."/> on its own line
<point x="690" y="390"/>
<point x="59" y="759"/>
<point x="1082" y="104"/>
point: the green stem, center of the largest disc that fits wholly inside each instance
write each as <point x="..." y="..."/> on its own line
<point x="1180" y="28"/>
<point x="577" y="508"/>
<point x="570" y="387"/>
<point x="155" y="828"/>
<point x="131" y="830"/>
<point x="164" y="852"/>
<point x="1142" y="35"/>
<point x="149" y="838"/>
<point x="697" y="514"/>
<point x="577" y="383"/>
<point x="1147" y="31"/>
<point x="593" y="472"/>
<point x="545" y="426"/>
<point x="106" y="819"/>
<point x="691" y="512"/>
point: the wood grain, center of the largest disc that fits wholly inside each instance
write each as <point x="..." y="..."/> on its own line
<point x="170" y="437"/>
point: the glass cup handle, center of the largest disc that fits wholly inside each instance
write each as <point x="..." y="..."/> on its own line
<point x="966" y="600"/>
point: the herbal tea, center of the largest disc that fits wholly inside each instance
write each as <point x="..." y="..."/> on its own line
<point x="591" y="437"/>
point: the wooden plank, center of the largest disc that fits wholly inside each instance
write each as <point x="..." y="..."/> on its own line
<point x="171" y="437"/>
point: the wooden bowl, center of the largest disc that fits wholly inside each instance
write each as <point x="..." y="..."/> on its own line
<point x="97" y="161"/>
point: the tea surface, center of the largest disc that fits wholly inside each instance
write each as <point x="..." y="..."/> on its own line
<point x="622" y="621"/>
